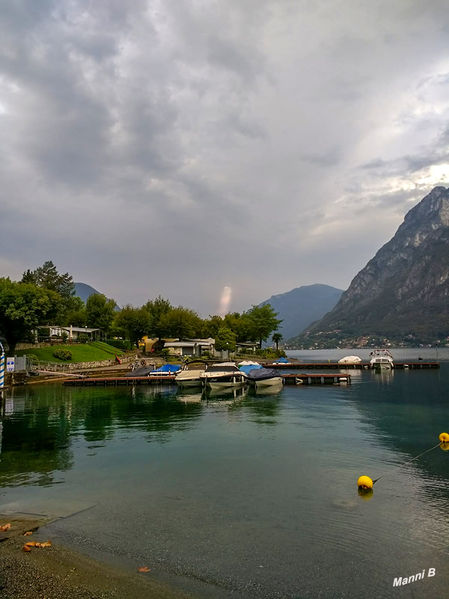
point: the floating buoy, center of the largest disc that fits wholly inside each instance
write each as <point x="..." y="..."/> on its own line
<point x="444" y="446"/>
<point x="365" y="482"/>
<point x="365" y="494"/>
<point x="444" y="437"/>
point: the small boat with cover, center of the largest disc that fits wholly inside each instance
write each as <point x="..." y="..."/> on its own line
<point x="264" y="377"/>
<point x="166" y="370"/>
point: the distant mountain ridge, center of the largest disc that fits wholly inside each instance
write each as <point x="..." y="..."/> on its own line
<point x="84" y="291"/>
<point x="403" y="292"/>
<point x="300" y="307"/>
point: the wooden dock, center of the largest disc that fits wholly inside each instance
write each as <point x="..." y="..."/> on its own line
<point x="121" y="380"/>
<point x="357" y="366"/>
<point x="289" y="379"/>
<point x="316" y="379"/>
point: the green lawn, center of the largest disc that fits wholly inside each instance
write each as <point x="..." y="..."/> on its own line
<point x="81" y="352"/>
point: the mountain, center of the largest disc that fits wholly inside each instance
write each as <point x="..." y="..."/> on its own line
<point x="403" y="292"/>
<point x="83" y="291"/>
<point x="301" y="306"/>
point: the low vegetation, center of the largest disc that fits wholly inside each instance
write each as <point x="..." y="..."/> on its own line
<point x="80" y="352"/>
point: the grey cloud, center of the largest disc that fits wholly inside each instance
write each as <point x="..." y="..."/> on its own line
<point x="166" y="147"/>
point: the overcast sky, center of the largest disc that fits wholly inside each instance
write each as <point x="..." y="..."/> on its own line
<point x="176" y="147"/>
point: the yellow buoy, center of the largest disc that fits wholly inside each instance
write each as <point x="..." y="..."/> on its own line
<point x="365" y="494"/>
<point x="444" y="446"/>
<point x="444" y="437"/>
<point x="365" y="482"/>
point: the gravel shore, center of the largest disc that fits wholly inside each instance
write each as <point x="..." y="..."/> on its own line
<point x="56" y="572"/>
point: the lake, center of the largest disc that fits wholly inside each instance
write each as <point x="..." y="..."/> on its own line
<point x="246" y="495"/>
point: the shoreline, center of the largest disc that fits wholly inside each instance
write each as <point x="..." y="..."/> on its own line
<point x="58" y="572"/>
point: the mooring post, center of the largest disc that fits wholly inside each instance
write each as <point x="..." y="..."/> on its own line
<point x="2" y="369"/>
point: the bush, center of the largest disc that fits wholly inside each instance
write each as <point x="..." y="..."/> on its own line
<point x="62" y="354"/>
<point x="122" y="344"/>
<point x="43" y="334"/>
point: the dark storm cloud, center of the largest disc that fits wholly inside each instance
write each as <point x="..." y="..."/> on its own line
<point x="174" y="147"/>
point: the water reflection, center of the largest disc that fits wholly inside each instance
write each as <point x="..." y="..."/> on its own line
<point x="40" y="425"/>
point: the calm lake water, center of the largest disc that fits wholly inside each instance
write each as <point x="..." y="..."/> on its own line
<point x="247" y="496"/>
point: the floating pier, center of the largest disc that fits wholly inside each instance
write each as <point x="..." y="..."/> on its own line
<point x="289" y="379"/>
<point x="355" y="366"/>
<point x="316" y="379"/>
<point x="121" y="380"/>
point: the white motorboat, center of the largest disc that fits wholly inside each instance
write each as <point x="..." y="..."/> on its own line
<point x="381" y="359"/>
<point x="190" y="375"/>
<point x="223" y="375"/>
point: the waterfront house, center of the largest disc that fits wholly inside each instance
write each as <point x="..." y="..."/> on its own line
<point x="191" y="347"/>
<point x="74" y="333"/>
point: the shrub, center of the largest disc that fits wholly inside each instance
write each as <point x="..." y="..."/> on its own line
<point x="122" y="344"/>
<point x="62" y="354"/>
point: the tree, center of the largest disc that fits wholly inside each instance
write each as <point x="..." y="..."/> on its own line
<point x="75" y="313"/>
<point x="100" y="311"/>
<point x="225" y="340"/>
<point x="263" y="322"/>
<point x="134" y="323"/>
<point x="157" y="308"/>
<point x="212" y="326"/>
<point x="240" y="324"/>
<point x="47" y="276"/>
<point x="180" y="322"/>
<point x="276" y="338"/>
<point x="23" y="307"/>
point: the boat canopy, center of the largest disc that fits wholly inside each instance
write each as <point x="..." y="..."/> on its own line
<point x="168" y="368"/>
<point x="248" y="367"/>
<point x="262" y="374"/>
<point x="350" y="360"/>
<point x="281" y="361"/>
<point x="248" y="363"/>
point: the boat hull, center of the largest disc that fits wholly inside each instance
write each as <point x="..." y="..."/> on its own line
<point x="275" y="381"/>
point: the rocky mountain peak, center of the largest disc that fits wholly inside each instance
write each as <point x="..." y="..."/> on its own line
<point x="404" y="289"/>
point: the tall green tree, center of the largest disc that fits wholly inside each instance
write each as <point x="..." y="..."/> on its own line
<point x="157" y="308"/>
<point x="48" y="277"/>
<point x="263" y="322"/>
<point x="180" y="322"/>
<point x="75" y="312"/>
<point x="133" y="323"/>
<point x="100" y="312"/>
<point x="23" y="307"/>
<point x="225" y="340"/>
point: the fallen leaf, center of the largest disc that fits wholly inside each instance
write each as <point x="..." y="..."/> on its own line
<point x="45" y="544"/>
<point x="5" y="527"/>
<point x="27" y="533"/>
<point x="31" y="544"/>
<point x="26" y="548"/>
<point x="143" y="569"/>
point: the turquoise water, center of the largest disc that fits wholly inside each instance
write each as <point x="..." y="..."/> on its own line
<point x="246" y="496"/>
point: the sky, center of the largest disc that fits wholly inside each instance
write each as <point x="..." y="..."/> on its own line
<point x="202" y="150"/>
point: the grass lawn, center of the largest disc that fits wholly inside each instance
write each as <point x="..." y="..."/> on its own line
<point x="81" y="352"/>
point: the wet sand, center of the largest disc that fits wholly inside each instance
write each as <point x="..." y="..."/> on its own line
<point x="57" y="572"/>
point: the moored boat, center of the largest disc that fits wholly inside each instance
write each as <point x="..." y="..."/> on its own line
<point x="264" y="377"/>
<point x="223" y="375"/>
<point x="166" y="370"/>
<point x="381" y="359"/>
<point x="190" y="375"/>
<point x="350" y="360"/>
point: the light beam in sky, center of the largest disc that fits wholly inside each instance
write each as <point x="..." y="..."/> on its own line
<point x="225" y="301"/>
